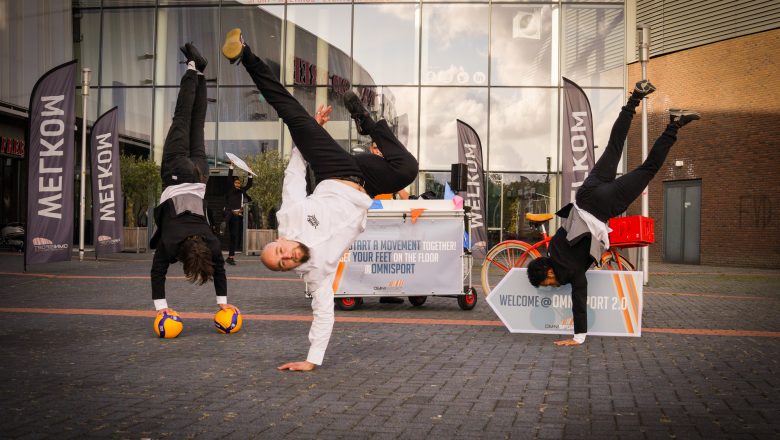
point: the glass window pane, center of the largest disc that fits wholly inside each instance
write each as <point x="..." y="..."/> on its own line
<point x="434" y="182"/>
<point x="189" y="2"/>
<point x="386" y="1"/>
<point x="33" y="39"/>
<point x="114" y="3"/>
<point x="605" y="106"/>
<point x="454" y="44"/>
<point x="164" y="106"/>
<point x="318" y="38"/>
<point x="247" y="123"/>
<point x="128" y="61"/>
<point x="262" y="31"/>
<point x="523" y="129"/>
<point x="134" y="117"/>
<point x="398" y="106"/>
<point x="439" y="108"/>
<point x="386" y="44"/>
<point x="86" y="30"/>
<point x="178" y="26"/>
<point x="522" y="45"/>
<point x="510" y="197"/>
<point x="593" y="46"/>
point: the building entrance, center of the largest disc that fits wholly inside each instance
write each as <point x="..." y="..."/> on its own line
<point x="682" y="221"/>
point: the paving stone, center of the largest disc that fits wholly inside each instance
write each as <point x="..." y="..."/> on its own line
<point x="99" y="376"/>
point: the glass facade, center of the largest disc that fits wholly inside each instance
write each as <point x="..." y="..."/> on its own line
<point x="420" y="64"/>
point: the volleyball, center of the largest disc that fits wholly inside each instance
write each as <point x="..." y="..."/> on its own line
<point x="168" y="325"/>
<point x="228" y="321"/>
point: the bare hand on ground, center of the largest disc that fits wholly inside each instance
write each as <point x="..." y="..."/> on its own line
<point x="297" y="366"/>
<point x="566" y="342"/>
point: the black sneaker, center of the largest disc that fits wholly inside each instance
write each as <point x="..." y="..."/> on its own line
<point x="363" y="121"/>
<point x="681" y="117"/>
<point x="192" y="54"/>
<point x="231" y="261"/>
<point x="234" y="46"/>
<point x="642" y="89"/>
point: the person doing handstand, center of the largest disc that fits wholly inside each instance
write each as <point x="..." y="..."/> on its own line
<point x="584" y="235"/>
<point x="316" y="230"/>
<point x="183" y="233"/>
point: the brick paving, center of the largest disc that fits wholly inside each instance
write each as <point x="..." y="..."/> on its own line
<point x="98" y="376"/>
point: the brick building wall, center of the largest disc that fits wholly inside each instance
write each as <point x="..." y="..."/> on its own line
<point x="734" y="149"/>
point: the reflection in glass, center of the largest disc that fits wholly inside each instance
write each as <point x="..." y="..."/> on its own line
<point x="523" y="129"/>
<point x="398" y="106"/>
<point x="179" y="26"/>
<point x="165" y="104"/>
<point x="593" y="45"/>
<point x="433" y="182"/>
<point x="86" y="30"/>
<point x="386" y="44"/>
<point x="510" y="197"/>
<point x="455" y="45"/>
<point x="247" y="123"/>
<point x="128" y="61"/>
<point x="134" y="117"/>
<point x="605" y="106"/>
<point x="261" y="28"/>
<point x="319" y="45"/>
<point x="439" y="108"/>
<point x="32" y="43"/>
<point x="523" y="45"/>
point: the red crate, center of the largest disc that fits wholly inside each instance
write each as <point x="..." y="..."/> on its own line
<point x="632" y="231"/>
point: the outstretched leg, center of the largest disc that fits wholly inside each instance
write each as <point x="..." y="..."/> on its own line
<point x="396" y="168"/>
<point x="184" y="155"/>
<point x="197" y="131"/>
<point x="176" y="165"/>
<point x="325" y="156"/>
<point x="605" y="169"/>
<point x="625" y="189"/>
<point x="392" y="171"/>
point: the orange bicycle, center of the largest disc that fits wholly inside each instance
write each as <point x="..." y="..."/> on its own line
<point x="515" y="253"/>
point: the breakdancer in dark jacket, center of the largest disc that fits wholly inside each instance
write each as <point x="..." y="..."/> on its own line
<point x="584" y="235"/>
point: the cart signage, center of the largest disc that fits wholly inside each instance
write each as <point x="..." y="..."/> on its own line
<point x="614" y="304"/>
<point x="394" y="256"/>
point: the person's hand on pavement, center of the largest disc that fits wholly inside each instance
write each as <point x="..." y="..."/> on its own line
<point x="297" y="366"/>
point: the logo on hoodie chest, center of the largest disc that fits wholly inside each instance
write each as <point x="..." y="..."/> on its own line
<point x="313" y="221"/>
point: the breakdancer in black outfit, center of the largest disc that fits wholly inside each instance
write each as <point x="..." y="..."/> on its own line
<point x="183" y="233"/>
<point x="584" y="234"/>
<point x="315" y="230"/>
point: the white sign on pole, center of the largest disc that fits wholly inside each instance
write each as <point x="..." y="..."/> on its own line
<point x="614" y="304"/>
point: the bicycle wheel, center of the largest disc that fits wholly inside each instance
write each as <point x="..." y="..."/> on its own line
<point x="503" y="257"/>
<point x="610" y="262"/>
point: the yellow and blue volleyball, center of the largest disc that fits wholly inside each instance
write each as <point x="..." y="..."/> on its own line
<point x="168" y="325"/>
<point x="228" y="321"/>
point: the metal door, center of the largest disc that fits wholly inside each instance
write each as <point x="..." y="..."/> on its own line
<point x="682" y="221"/>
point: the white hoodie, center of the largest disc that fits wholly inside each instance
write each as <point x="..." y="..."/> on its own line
<point x="328" y="221"/>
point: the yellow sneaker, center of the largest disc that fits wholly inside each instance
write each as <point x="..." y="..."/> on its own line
<point x="234" y="45"/>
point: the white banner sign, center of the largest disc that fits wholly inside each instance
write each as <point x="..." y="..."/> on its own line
<point x="614" y="304"/>
<point x="395" y="257"/>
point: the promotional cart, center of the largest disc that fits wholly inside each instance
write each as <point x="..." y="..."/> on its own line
<point x="410" y="248"/>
